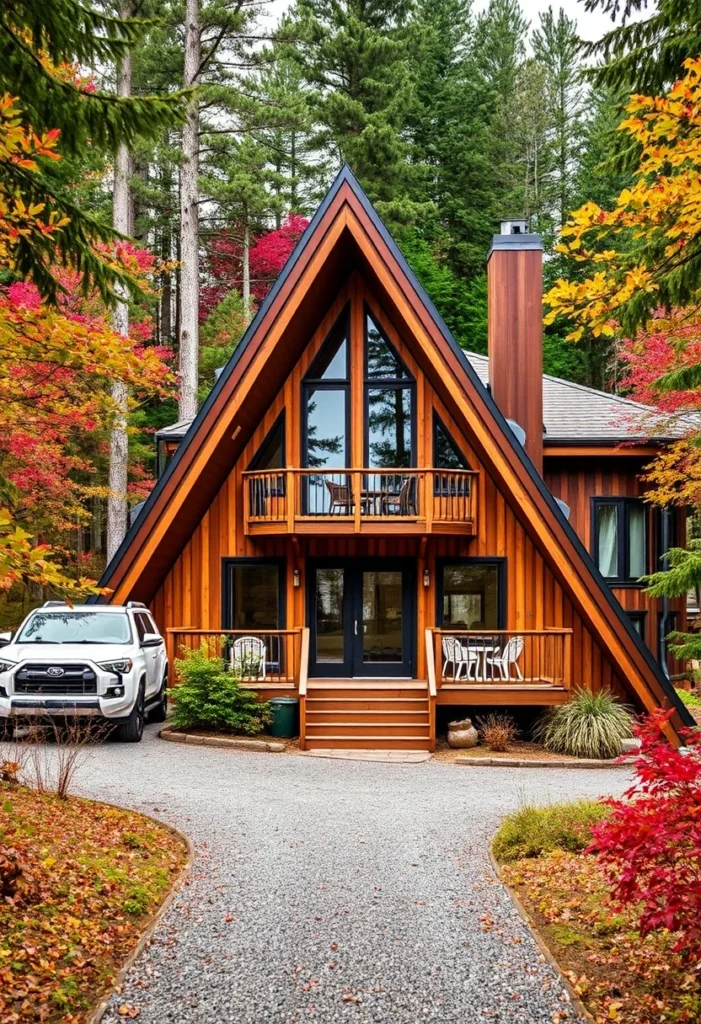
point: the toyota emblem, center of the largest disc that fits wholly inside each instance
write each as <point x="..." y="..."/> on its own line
<point x="55" y="670"/>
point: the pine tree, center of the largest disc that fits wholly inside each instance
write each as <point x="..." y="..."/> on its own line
<point x="556" y="47"/>
<point x="37" y="42"/>
<point x="354" y="55"/>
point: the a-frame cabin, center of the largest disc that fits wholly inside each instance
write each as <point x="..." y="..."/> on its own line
<point x="352" y="513"/>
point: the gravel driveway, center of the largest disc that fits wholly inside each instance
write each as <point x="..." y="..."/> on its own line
<point x="329" y="890"/>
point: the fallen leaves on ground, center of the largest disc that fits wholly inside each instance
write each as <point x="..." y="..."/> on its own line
<point x="92" y="875"/>
<point x="617" y="975"/>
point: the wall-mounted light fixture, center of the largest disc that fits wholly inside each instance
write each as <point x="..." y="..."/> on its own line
<point x="295" y="578"/>
<point x="427" y="578"/>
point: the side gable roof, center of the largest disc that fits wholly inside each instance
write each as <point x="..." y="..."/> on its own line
<point x="346" y="222"/>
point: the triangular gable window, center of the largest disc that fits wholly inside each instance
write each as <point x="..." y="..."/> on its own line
<point x="382" y="361"/>
<point x="331" y="363"/>
<point x="271" y="454"/>
<point x="446" y="454"/>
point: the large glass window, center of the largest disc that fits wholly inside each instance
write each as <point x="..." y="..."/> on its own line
<point x="389" y="403"/>
<point x="446" y="454"/>
<point x="255" y="595"/>
<point x="620" y="538"/>
<point x="470" y="595"/>
<point x="271" y="454"/>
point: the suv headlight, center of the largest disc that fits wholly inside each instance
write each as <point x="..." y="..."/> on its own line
<point x="7" y="666"/>
<point x="120" y="667"/>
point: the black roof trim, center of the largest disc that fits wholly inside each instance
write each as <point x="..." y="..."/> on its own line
<point x="346" y="176"/>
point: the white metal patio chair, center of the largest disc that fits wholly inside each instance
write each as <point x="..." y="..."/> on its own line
<point x="503" y="660"/>
<point x="248" y="657"/>
<point x="460" y="657"/>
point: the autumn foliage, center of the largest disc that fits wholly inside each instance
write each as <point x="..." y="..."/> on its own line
<point x="650" y="846"/>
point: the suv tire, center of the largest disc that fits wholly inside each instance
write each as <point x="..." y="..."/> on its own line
<point x="159" y="711"/>
<point x="132" y="728"/>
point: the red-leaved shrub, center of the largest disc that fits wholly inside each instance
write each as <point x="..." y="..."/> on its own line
<point x="650" y="846"/>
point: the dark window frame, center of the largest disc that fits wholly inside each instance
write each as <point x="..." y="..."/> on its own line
<point x="227" y="604"/>
<point x="279" y="424"/>
<point x="310" y="384"/>
<point x="622" y="504"/>
<point x="502" y="582"/>
<point x="637" y="615"/>
<point x="407" y="383"/>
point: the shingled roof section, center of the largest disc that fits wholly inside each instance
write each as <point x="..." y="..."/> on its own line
<point x="572" y="414"/>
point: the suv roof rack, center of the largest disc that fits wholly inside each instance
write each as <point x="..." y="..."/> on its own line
<point x="135" y="604"/>
<point x="54" y="604"/>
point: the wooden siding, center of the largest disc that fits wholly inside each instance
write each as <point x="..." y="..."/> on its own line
<point x="577" y="480"/>
<point x="191" y="594"/>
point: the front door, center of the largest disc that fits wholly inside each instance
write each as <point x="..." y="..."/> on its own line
<point x="362" y="617"/>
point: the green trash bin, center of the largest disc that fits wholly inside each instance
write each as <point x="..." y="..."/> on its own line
<point x="284" y="724"/>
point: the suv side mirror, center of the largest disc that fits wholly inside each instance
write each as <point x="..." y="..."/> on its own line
<point x="5" y="639"/>
<point x="151" y="640"/>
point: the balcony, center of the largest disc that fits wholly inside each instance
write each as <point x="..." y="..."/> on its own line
<point x="360" y="501"/>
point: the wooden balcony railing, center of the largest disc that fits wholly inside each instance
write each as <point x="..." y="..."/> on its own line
<point x="360" y="500"/>
<point x="503" y="657"/>
<point x="264" y="658"/>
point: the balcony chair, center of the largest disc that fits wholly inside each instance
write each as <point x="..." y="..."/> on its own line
<point x="503" y="660"/>
<point x="248" y="657"/>
<point x="341" y="500"/>
<point x="403" y="503"/>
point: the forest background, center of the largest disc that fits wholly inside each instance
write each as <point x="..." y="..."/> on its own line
<point x="452" y="120"/>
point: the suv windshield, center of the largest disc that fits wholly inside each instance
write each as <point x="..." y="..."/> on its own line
<point x="76" y="627"/>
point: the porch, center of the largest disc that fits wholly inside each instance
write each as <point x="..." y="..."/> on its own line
<point x="360" y="501"/>
<point x="463" y="668"/>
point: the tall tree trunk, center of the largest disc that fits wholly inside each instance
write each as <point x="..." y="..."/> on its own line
<point x="122" y="219"/>
<point x="189" y="223"/>
<point x="246" y="275"/>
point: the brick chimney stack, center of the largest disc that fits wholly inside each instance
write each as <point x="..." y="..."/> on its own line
<point x="515" y="331"/>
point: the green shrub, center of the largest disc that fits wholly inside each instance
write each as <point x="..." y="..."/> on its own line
<point x="535" y="830"/>
<point x="209" y="695"/>
<point x="590" y="725"/>
<point x="690" y="697"/>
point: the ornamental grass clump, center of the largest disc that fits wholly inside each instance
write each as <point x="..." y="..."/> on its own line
<point x="590" y="725"/>
<point x="497" y="731"/>
<point x="209" y="695"/>
<point x="531" y="831"/>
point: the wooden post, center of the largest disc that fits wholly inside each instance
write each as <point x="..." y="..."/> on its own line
<point x="291" y="499"/>
<point x="567" y="660"/>
<point x="356" y="480"/>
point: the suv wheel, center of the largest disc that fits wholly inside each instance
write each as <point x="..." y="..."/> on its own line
<point x="159" y="711"/>
<point x="131" y="730"/>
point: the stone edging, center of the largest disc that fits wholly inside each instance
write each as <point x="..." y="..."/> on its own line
<point x="514" y="762"/>
<point x="98" y="1013"/>
<point x="221" y="741"/>
<point x="540" y="942"/>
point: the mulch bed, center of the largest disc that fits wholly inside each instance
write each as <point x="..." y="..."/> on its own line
<point x="92" y="878"/>
<point x="518" y="749"/>
<point x="617" y="975"/>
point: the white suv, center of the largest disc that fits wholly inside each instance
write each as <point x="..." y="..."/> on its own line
<point x="100" y="661"/>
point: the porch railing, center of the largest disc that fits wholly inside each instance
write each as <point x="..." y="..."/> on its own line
<point x="270" y="657"/>
<point x="285" y="497"/>
<point x="502" y="657"/>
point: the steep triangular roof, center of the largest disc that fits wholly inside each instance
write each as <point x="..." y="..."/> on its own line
<point x="346" y="231"/>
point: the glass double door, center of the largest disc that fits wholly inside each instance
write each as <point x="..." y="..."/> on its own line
<point x="362" y="617"/>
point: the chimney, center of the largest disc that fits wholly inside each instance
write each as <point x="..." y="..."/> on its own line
<point x="515" y="331"/>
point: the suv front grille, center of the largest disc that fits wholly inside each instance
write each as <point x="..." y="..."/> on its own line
<point x="76" y="679"/>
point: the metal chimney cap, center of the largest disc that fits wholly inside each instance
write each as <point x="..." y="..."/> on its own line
<point x="515" y="243"/>
<point x="515" y="227"/>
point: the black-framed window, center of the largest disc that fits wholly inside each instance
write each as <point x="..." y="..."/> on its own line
<point x="271" y="453"/>
<point x="390" y="403"/>
<point x="253" y="594"/>
<point x="326" y="402"/>
<point x="447" y="455"/>
<point x="471" y="593"/>
<point x="637" y="619"/>
<point x="620" y="538"/>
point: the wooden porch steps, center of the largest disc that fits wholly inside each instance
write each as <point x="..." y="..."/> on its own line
<point x="373" y="714"/>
